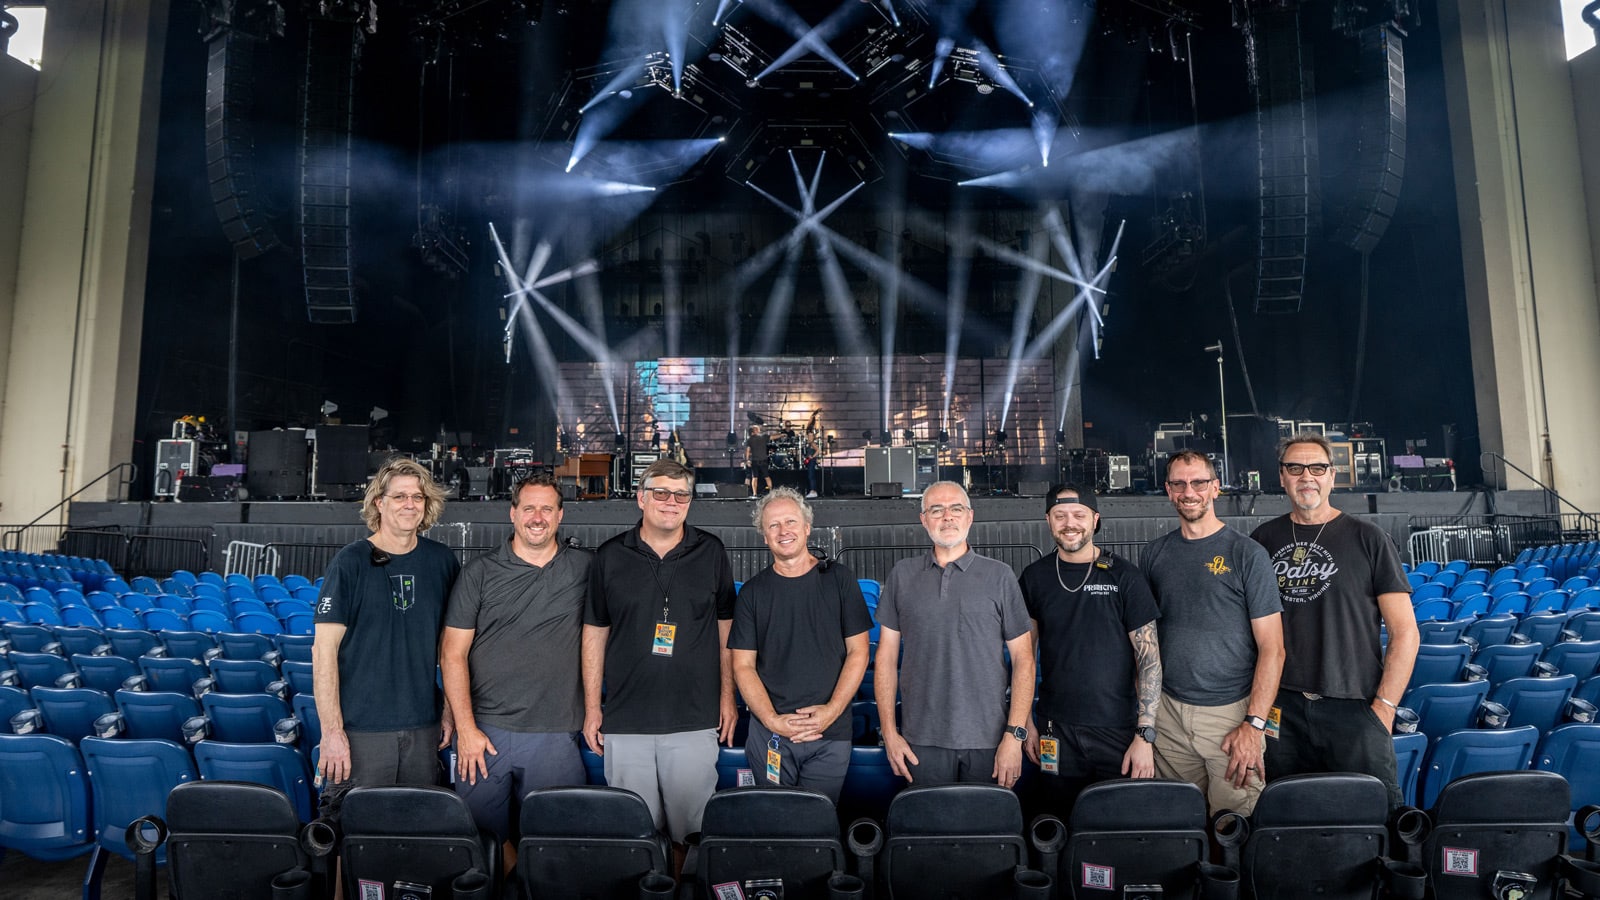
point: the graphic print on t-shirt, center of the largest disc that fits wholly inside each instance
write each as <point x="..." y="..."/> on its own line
<point x="1218" y="566"/>
<point x="403" y="590"/>
<point x="1305" y="569"/>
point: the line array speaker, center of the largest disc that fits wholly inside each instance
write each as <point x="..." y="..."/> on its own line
<point x="1286" y="132"/>
<point x="333" y="52"/>
<point x="1381" y="141"/>
<point x="230" y="145"/>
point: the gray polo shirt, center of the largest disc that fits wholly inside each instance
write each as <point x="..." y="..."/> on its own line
<point x="528" y="620"/>
<point x="954" y="622"/>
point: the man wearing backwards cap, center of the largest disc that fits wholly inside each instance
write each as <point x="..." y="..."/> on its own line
<point x="1094" y="630"/>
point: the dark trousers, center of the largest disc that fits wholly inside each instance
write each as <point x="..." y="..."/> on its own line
<point x="939" y="765"/>
<point x="1085" y="755"/>
<point x="1329" y="734"/>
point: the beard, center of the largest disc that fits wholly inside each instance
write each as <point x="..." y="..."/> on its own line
<point x="1065" y="541"/>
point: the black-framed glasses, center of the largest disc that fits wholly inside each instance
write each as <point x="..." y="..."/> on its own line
<point x="1298" y="469"/>
<point x="1199" y="484"/>
<point x="662" y="495"/>
<point x="379" y="557"/>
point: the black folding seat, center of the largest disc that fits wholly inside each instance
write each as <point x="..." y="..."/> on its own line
<point x="1504" y="834"/>
<point x="418" y="836"/>
<point x="1131" y="832"/>
<point x="591" y="842"/>
<point x="234" y="841"/>
<point x="770" y="835"/>
<point x="958" y="842"/>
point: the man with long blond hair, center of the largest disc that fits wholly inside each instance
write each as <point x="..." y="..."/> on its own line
<point x="378" y="621"/>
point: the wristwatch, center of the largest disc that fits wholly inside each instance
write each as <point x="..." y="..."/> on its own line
<point x="1256" y="722"/>
<point x="1020" y="733"/>
<point x="1148" y="732"/>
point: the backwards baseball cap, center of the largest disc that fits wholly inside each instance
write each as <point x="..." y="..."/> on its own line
<point x="1085" y="497"/>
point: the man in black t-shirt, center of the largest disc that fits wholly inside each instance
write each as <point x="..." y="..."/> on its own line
<point x="800" y="647"/>
<point x="756" y="450"/>
<point x="1340" y="579"/>
<point x="378" y="620"/>
<point x="1094" y="627"/>
<point x="655" y="635"/>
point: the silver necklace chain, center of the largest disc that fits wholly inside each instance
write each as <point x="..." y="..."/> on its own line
<point x="1086" y="575"/>
<point x="1294" y="531"/>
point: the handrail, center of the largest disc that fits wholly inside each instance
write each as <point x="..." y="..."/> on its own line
<point x="122" y="485"/>
<point x="1587" y="517"/>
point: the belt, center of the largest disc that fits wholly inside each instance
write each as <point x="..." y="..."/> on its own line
<point x="1310" y="696"/>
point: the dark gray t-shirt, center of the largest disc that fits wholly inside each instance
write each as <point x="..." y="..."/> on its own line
<point x="954" y="623"/>
<point x="1209" y="590"/>
<point x="528" y="624"/>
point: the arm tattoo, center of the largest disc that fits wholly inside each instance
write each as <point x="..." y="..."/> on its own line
<point x="1147" y="675"/>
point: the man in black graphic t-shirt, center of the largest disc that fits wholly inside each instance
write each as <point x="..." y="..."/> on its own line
<point x="1094" y="628"/>
<point x="1340" y="580"/>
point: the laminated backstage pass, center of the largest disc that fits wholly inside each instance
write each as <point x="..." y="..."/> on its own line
<point x="1274" y="722"/>
<point x="774" y="761"/>
<point x="666" y="633"/>
<point x="1049" y="755"/>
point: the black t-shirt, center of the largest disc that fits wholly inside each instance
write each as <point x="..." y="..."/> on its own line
<point x="647" y="693"/>
<point x="797" y="627"/>
<point x="758" y="448"/>
<point x="1329" y="577"/>
<point x="1085" y="657"/>
<point x="392" y="615"/>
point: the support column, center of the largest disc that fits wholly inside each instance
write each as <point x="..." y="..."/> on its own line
<point x="72" y="375"/>
<point x="1532" y="308"/>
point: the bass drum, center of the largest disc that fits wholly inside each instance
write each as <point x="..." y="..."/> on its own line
<point x="784" y="461"/>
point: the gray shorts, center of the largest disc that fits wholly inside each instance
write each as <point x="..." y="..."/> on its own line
<point x="814" y="765"/>
<point x="523" y="762"/>
<point x="675" y="774"/>
<point x="387" y="757"/>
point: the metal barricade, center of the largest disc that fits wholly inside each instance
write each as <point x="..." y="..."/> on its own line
<point x="157" y="555"/>
<point x="875" y="562"/>
<point x="250" y="559"/>
<point x="1480" y="545"/>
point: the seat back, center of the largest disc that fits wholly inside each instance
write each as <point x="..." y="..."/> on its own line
<point x="39" y="669"/>
<point x="243" y="718"/>
<point x="756" y="833"/>
<point x="295" y="647"/>
<point x="1491" y="630"/>
<point x="869" y="784"/>
<point x="1409" y="752"/>
<point x="1579" y="658"/>
<point x="132" y="779"/>
<point x="1443" y="708"/>
<point x="1535" y="701"/>
<point x="953" y="840"/>
<point x="1317" y="836"/>
<point x="1543" y="628"/>
<point x="188" y="644"/>
<point x="228" y="839"/>
<point x="45" y="813"/>
<point x="1507" y="661"/>
<point x="70" y="712"/>
<point x="237" y="645"/>
<point x="1439" y="663"/>
<point x="588" y="842"/>
<point x="210" y="621"/>
<point x="299" y="676"/>
<point x="12" y="701"/>
<point x="80" y="638"/>
<point x="242" y="676"/>
<point x="277" y="766"/>
<point x="167" y="673"/>
<point x="1573" y="752"/>
<point x="1493" y="822"/>
<point x="423" y="835"/>
<point x="1441" y="632"/>
<point x="104" y="673"/>
<point x="1135" y="832"/>
<point x="28" y="638"/>
<point x="155" y="715"/>
<point x="1463" y="753"/>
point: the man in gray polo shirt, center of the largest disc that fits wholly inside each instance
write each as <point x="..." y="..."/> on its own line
<point x="1221" y="643"/>
<point x="510" y="656"/>
<point x="955" y="611"/>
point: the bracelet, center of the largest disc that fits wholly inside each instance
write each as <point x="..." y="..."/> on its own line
<point x="1386" y="702"/>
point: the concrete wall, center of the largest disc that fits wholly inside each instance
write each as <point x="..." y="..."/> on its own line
<point x="72" y="370"/>
<point x="18" y="81"/>
<point x="1585" y="72"/>
<point x="1526" y="246"/>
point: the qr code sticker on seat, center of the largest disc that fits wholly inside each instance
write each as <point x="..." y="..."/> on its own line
<point x="1459" y="861"/>
<point x="1099" y="877"/>
<point x="371" y="890"/>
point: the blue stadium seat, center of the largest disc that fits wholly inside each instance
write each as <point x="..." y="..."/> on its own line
<point x="1539" y="586"/>
<point x="70" y="712"/>
<point x="305" y="710"/>
<point x="144" y="584"/>
<point x="79" y="639"/>
<point x="242" y="676"/>
<point x="1465" y="589"/>
<point x="272" y="593"/>
<point x="104" y="673"/>
<point x="40" y="669"/>
<point x="46" y="813"/>
<point x="594" y="765"/>
<point x="1442" y="632"/>
<point x="1543" y="629"/>
<point x="1539" y="702"/>
<point x="1476" y="750"/>
<point x="730" y="760"/>
<point x="243" y="718"/>
<point x="10" y="612"/>
<point x="131" y="643"/>
<point x="256" y="623"/>
<point x="1439" y="663"/>
<point x="131" y="779"/>
<point x="185" y="578"/>
<point x="210" y="593"/>
<point x="12" y="701"/>
<point x="156" y="715"/>
<point x="300" y="623"/>
<point x="121" y="618"/>
<point x="208" y="621"/>
<point x="1550" y="602"/>
<point x="309" y="594"/>
<point x="29" y="638"/>
<point x="41" y="614"/>
<point x="176" y="674"/>
<point x="100" y="601"/>
<point x="136" y="602"/>
<point x="1442" y="708"/>
<point x="285" y="608"/>
<point x="1505" y="661"/>
<point x="238" y="604"/>
<point x="180" y="605"/>
<point x="1573" y="752"/>
<point x="188" y="644"/>
<point x="277" y="766"/>
<point x="245" y="646"/>
<point x="1513" y="603"/>
<point x="294" y="647"/>
<point x="158" y="619"/>
<point x="1428" y="591"/>
<point x="213" y="579"/>
<point x="1580" y="658"/>
<point x="81" y="616"/>
<point x="1585" y="624"/>
<point x="1473" y="607"/>
<point x="298" y="674"/>
<point x="1409" y="752"/>
<point x="869" y="784"/>
<point x="1435" y="610"/>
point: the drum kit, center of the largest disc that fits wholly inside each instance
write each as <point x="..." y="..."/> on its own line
<point x="790" y="448"/>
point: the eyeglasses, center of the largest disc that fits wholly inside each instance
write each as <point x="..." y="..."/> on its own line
<point x="1199" y="484"/>
<point x="954" y="510"/>
<point x="1298" y="469"/>
<point x="401" y="498"/>
<point x="663" y="495"/>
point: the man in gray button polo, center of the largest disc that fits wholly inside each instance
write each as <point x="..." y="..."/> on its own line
<point x="510" y="656"/>
<point x="955" y="611"/>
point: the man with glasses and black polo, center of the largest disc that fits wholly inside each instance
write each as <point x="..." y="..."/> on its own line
<point x="655" y="635"/>
<point x="378" y="621"/>
<point x="1340" y="578"/>
<point x="1221" y="643"/>
<point x="955" y="611"/>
